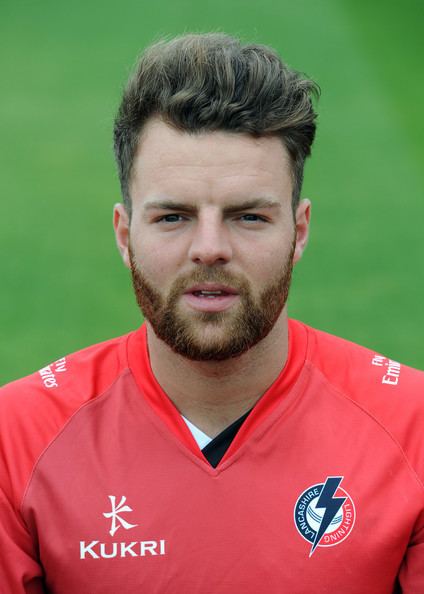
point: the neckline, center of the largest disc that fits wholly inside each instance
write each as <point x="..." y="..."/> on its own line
<point x="170" y="418"/>
<point x="216" y="449"/>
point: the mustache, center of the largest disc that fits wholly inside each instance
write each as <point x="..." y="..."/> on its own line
<point x="210" y="275"/>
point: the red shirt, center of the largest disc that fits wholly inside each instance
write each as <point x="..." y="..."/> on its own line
<point x="104" y="490"/>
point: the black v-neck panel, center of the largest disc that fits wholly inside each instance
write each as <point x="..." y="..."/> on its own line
<point x="215" y="450"/>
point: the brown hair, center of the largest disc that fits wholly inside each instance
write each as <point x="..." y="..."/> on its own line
<point x="210" y="82"/>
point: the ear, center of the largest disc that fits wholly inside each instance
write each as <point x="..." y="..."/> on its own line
<point x="303" y="217"/>
<point x="121" y="225"/>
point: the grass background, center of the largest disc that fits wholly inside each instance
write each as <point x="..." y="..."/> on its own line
<point x="63" y="66"/>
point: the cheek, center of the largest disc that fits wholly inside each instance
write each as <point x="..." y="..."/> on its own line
<point x="268" y="262"/>
<point x="156" y="262"/>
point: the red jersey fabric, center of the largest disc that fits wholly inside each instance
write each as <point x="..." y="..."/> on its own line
<point x="103" y="488"/>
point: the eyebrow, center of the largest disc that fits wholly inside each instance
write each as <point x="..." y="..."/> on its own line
<point x="229" y="209"/>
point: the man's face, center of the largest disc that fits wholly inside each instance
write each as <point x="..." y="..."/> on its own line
<point x="212" y="240"/>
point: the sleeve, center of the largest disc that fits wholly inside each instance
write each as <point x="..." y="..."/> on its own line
<point x="20" y="573"/>
<point x="411" y="574"/>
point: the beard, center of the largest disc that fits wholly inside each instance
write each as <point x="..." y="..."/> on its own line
<point x="212" y="336"/>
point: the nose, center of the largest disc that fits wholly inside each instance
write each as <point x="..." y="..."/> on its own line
<point x="210" y="243"/>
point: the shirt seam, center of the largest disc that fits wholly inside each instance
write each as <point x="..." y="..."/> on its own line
<point x="91" y="401"/>
<point x="364" y="410"/>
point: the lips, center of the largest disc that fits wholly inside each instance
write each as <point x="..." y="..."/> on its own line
<point x="208" y="297"/>
<point x="211" y="290"/>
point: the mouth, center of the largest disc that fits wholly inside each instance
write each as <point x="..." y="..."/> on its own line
<point x="210" y="297"/>
<point x="210" y="291"/>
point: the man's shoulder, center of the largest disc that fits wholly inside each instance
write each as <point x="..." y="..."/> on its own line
<point x="85" y="372"/>
<point x="357" y="370"/>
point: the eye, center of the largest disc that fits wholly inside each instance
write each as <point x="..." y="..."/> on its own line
<point x="170" y="218"/>
<point x="253" y="218"/>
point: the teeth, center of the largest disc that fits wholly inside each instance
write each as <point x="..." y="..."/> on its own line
<point x="208" y="293"/>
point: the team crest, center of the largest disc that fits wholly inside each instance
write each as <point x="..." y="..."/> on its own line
<point x="324" y="514"/>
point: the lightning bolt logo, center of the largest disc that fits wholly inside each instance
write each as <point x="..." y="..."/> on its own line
<point x="322" y="518"/>
<point x="330" y="504"/>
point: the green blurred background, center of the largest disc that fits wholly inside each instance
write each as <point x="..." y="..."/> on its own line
<point x="63" y="66"/>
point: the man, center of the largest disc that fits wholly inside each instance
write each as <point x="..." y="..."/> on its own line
<point x="220" y="448"/>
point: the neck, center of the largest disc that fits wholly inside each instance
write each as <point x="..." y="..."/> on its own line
<point x="213" y="394"/>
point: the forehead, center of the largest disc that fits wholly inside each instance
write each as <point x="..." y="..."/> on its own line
<point x="214" y="164"/>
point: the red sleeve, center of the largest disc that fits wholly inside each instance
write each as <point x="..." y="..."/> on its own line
<point x="33" y="411"/>
<point x="393" y="394"/>
<point x="411" y="574"/>
<point x="19" y="571"/>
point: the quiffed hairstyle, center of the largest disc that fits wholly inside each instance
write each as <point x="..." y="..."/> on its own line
<point x="208" y="82"/>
